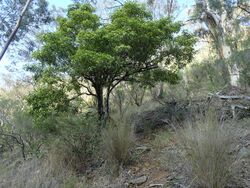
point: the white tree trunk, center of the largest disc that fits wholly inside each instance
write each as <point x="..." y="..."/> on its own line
<point x="233" y="69"/>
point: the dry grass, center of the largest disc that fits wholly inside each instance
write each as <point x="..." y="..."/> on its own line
<point x="35" y="173"/>
<point x="117" y="144"/>
<point x="161" y="140"/>
<point x="207" y="146"/>
<point x="61" y="156"/>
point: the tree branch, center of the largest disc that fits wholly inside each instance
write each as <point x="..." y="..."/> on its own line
<point x="13" y="33"/>
<point x="18" y="139"/>
<point x="121" y="4"/>
<point x="127" y="74"/>
<point x="116" y="6"/>
<point x="88" y="89"/>
<point x="244" y="9"/>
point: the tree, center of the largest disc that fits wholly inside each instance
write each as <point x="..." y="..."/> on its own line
<point x="222" y="20"/>
<point x="18" y="19"/>
<point x="93" y="58"/>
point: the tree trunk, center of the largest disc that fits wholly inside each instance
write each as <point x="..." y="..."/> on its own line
<point x="216" y="24"/>
<point x="233" y="70"/>
<point x="99" y="98"/>
<point x="107" y="104"/>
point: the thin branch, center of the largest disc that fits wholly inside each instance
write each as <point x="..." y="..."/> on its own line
<point x="191" y="20"/>
<point x="88" y="89"/>
<point x="73" y="98"/>
<point x="116" y="6"/>
<point x="128" y="74"/>
<point x="244" y="9"/>
<point x="121" y="4"/>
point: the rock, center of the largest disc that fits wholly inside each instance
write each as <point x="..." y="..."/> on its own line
<point x="139" y="180"/>
<point x="143" y="149"/>
<point x="160" y="117"/>
<point x="244" y="152"/>
<point x="159" y="185"/>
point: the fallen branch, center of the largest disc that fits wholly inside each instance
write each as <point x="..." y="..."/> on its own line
<point x="230" y="97"/>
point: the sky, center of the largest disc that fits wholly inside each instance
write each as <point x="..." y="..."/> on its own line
<point x="65" y="3"/>
<point x="60" y="3"/>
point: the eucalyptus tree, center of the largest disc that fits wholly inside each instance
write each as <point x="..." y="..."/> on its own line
<point x="223" y="25"/>
<point x="18" y="21"/>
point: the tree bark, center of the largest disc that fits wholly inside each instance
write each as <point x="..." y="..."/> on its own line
<point x="99" y="98"/>
<point x="13" y="33"/>
<point x="216" y="23"/>
<point x="107" y="104"/>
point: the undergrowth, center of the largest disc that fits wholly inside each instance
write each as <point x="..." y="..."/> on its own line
<point x="207" y="147"/>
<point x="117" y="145"/>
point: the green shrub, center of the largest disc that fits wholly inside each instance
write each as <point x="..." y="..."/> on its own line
<point x="117" y="145"/>
<point x="77" y="141"/>
<point x="207" y="146"/>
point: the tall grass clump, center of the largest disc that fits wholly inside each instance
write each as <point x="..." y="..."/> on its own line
<point x="117" y="145"/>
<point x="207" y="147"/>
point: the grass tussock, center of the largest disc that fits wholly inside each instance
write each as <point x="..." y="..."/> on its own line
<point x="207" y="145"/>
<point x="117" y="145"/>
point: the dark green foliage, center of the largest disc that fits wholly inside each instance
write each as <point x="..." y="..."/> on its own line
<point x="47" y="102"/>
<point x="95" y="57"/>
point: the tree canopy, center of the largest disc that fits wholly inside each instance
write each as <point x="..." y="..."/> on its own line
<point x="85" y="56"/>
